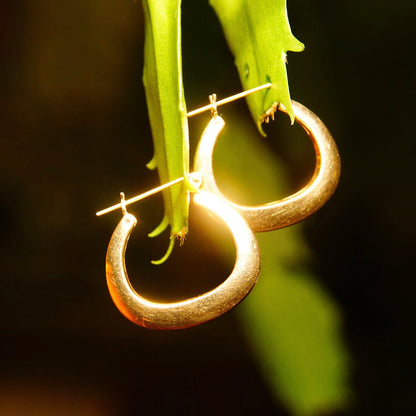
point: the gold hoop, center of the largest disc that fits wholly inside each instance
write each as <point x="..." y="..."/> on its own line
<point x="295" y="208"/>
<point x="195" y="310"/>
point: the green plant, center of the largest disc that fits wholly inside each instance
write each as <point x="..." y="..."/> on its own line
<point x="292" y="323"/>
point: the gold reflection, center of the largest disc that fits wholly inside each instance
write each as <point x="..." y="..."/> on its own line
<point x="195" y="310"/>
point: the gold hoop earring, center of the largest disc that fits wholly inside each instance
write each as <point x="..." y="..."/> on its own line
<point x="295" y="208"/>
<point x="195" y="310"/>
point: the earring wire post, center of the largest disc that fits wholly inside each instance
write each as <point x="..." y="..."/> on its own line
<point x="139" y="197"/>
<point x="229" y="99"/>
<point x="213" y="107"/>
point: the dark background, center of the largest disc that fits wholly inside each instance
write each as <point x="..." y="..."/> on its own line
<point x="74" y="132"/>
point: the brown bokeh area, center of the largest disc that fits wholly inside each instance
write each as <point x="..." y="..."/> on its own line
<point x="74" y="133"/>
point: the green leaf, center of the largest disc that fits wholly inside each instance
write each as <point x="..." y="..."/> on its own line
<point x="292" y="324"/>
<point x="259" y="35"/>
<point x="294" y="328"/>
<point x="162" y="78"/>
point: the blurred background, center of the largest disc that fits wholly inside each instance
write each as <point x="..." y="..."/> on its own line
<point x="74" y="133"/>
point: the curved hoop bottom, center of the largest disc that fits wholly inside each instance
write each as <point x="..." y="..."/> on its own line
<point x="296" y="207"/>
<point x="195" y="310"/>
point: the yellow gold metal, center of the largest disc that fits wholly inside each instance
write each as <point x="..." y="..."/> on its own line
<point x="195" y="310"/>
<point x="295" y="208"/>
<point x="123" y="203"/>
<point x="194" y="177"/>
<point x="228" y="99"/>
<point x="138" y="197"/>
<point x="196" y="180"/>
<point x="213" y="103"/>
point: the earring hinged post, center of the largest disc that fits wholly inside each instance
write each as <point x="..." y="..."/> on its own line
<point x="139" y="197"/>
<point x="213" y="107"/>
<point x="229" y="99"/>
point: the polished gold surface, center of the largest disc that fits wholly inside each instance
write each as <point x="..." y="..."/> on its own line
<point x="295" y="208"/>
<point x="192" y="311"/>
<point x="242" y="221"/>
<point x="139" y="197"/>
<point x="228" y="99"/>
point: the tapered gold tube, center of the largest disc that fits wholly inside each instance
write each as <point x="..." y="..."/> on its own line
<point x="190" y="312"/>
<point x="296" y="207"/>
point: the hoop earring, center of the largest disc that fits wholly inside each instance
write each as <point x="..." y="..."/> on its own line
<point x="195" y="310"/>
<point x="296" y="207"/>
